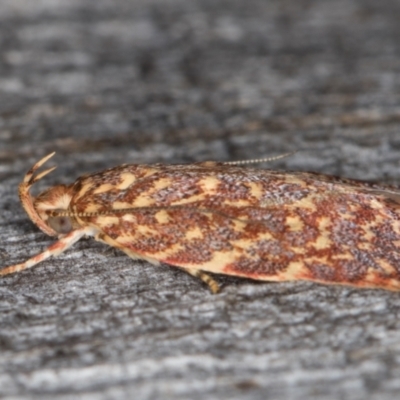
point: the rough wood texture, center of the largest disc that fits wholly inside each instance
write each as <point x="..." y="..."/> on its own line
<point x="106" y="82"/>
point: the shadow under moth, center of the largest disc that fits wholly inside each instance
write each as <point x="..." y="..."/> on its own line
<point x="224" y="218"/>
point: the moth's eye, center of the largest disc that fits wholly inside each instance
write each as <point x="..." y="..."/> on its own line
<point x="60" y="224"/>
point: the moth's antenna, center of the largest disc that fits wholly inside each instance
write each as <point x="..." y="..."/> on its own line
<point x="259" y="160"/>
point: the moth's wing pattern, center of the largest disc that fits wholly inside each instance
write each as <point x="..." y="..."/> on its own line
<point x="351" y="238"/>
<point x="259" y="224"/>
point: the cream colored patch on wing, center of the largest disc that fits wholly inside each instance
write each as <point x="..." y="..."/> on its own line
<point x="323" y="241"/>
<point x="245" y="244"/>
<point x="370" y="229"/>
<point x="107" y="220"/>
<point x="218" y="262"/>
<point x="162" y="217"/>
<point x="256" y="190"/>
<point x="105" y="187"/>
<point x="307" y="203"/>
<point x="163" y="254"/>
<point x="129" y="218"/>
<point x="238" y="203"/>
<point x="194" y="233"/>
<point x="238" y="226"/>
<point x="209" y="184"/>
<point x="372" y="277"/>
<point x="389" y="269"/>
<point x="140" y="201"/>
<point x="106" y="239"/>
<point x="146" y="199"/>
<point x="146" y="230"/>
<point x="344" y="256"/>
<point x="126" y="180"/>
<point x="121" y="205"/>
<point x="91" y="208"/>
<point x="296" y="270"/>
<point x="376" y="204"/>
<point x="396" y="227"/>
<point x="294" y="223"/>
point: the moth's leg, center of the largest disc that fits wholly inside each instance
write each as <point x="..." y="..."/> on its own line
<point x="207" y="279"/>
<point x="54" y="250"/>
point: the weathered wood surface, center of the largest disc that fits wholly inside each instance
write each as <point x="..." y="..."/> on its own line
<point x="107" y="82"/>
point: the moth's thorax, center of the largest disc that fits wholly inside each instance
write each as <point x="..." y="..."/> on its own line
<point x="55" y="198"/>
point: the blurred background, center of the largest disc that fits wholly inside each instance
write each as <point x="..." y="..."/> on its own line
<point x="106" y="82"/>
<point x="184" y="80"/>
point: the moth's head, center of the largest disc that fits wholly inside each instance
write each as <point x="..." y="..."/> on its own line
<point x="46" y="210"/>
<point x="51" y="202"/>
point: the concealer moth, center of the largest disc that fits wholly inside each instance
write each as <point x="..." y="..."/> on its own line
<point x="224" y="218"/>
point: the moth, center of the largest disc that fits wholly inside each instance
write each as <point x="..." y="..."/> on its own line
<point x="223" y="218"/>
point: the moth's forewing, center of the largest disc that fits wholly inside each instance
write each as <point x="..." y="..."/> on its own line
<point x="253" y="223"/>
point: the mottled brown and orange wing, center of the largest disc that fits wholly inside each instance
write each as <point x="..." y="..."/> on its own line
<point x="258" y="224"/>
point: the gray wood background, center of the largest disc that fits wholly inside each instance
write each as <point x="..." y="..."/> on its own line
<point x="107" y="82"/>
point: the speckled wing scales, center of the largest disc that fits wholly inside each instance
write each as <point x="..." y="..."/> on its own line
<point x="319" y="230"/>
